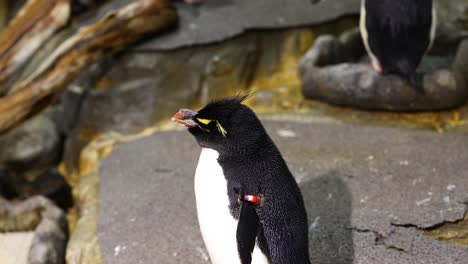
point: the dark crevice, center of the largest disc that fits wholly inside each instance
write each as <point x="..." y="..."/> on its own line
<point x="432" y="227"/>
<point x="380" y="240"/>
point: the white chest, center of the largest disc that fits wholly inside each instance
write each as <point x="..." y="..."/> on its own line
<point x="364" y="33"/>
<point x="217" y="225"/>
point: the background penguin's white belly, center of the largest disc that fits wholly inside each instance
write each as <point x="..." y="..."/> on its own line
<point x="217" y="225"/>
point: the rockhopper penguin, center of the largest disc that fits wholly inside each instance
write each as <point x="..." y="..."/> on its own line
<point x="397" y="34"/>
<point x="249" y="206"/>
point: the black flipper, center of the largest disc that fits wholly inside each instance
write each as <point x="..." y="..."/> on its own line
<point x="247" y="230"/>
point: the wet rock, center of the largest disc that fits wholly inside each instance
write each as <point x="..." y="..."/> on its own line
<point x="357" y="85"/>
<point x="199" y="24"/>
<point x="35" y="143"/>
<point x="49" y="225"/>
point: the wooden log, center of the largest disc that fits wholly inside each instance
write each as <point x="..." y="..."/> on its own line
<point x="113" y="33"/>
<point x="34" y="24"/>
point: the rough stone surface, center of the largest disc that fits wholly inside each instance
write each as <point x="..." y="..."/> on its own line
<point x="18" y="242"/>
<point x="50" y="239"/>
<point x="35" y="143"/>
<point x="66" y="114"/>
<point x="369" y="192"/>
<point x="144" y="87"/>
<point x="83" y="246"/>
<point x="452" y="24"/>
<point x="199" y="24"/>
<point x="330" y="50"/>
<point x="327" y="50"/>
<point x="352" y="43"/>
<point x="50" y="230"/>
<point x="358" y="85"/>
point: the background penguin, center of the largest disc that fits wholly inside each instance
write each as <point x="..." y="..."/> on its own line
<point x="397" y="34"/>
<point x="249" y="206"/>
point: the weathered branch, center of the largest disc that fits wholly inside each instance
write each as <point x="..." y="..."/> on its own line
<point x="111" y="34"/>
<point x="34" y="24"/>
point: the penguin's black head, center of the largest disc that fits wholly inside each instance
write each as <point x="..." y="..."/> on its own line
<point x="223" y="125"/>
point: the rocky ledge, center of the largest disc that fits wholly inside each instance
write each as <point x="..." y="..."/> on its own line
<point x="373" y="195"/>
<point x="358" y="85"/>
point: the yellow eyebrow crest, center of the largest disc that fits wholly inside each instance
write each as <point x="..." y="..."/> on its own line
<point x="218" y="125"/>
<point x="204" y="121"/>
<point x="221" y="129"/>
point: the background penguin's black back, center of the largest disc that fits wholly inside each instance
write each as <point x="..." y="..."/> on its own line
<point x="399" y="32"/>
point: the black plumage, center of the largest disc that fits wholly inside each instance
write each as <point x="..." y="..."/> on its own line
<point x="252" y="164"/>
<point x="247" y="230"/>
<point x="398" y="33"/>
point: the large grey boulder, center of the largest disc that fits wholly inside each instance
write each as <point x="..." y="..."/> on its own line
<point x="358" y="85"/>
<point x="34" y="143"/>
